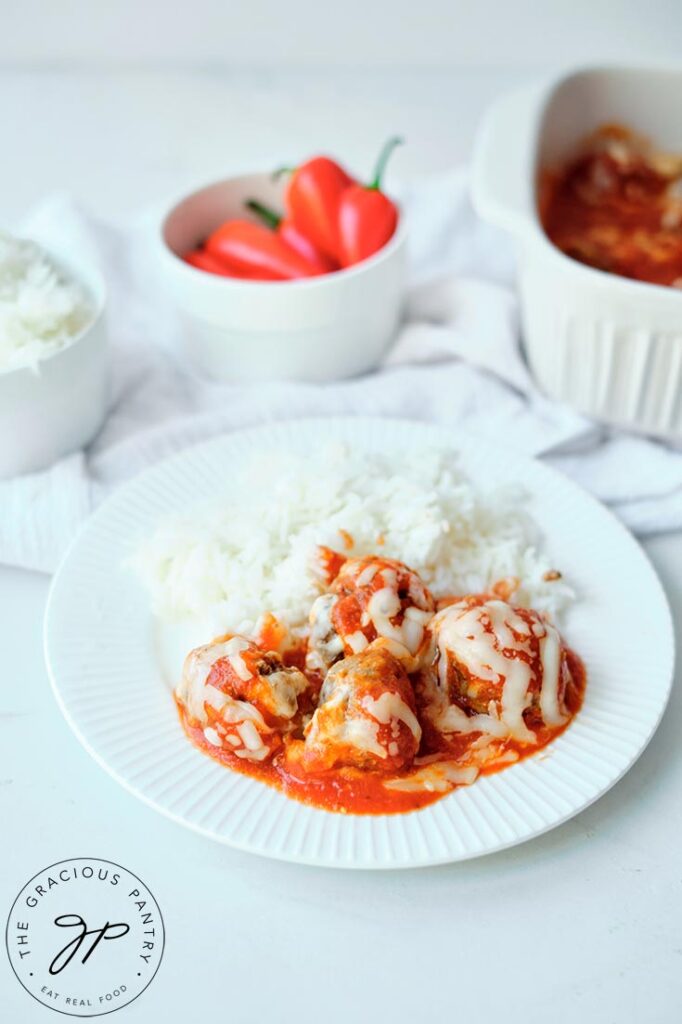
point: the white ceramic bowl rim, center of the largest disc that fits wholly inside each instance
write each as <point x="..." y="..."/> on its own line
<point x="320" y="281"/>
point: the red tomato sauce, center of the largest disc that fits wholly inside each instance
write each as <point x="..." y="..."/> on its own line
<point x="617" y="206"/>
<point x="352" y="791"/>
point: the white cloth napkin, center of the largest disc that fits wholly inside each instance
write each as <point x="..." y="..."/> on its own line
<point x="457" y="361"/>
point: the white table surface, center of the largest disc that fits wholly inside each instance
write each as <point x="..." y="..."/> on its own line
<point x="582" y="924"/>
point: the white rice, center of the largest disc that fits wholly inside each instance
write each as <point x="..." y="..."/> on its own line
<point x="227" y="563"/>
<point x="40" y="311"/>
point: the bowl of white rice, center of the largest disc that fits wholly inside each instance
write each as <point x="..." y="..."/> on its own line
<point x="53" y="365"/>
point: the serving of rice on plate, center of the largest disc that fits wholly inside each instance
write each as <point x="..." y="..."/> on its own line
<point x="226" y="561"/>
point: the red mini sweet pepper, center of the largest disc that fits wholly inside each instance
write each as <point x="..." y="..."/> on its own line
<point x="367" y="218"/>
<point x="203" y="260"/>
<point x="312" y="200"/>
<point x="251" y="249"/>
<point x="290" y="233"/>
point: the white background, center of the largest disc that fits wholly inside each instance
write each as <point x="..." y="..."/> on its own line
<point x="119" y="104"/>
<point x="317" y="34"/>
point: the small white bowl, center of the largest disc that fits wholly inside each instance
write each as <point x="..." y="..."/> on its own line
<point x="316" y="329"/>
<point x="610" y="346"/>
<point x="55" y="409"/>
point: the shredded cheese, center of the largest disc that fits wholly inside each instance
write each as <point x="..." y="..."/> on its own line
<point x="390" y="706"/>
<point x="477" y="636"/>
<point x="357" y="642"/>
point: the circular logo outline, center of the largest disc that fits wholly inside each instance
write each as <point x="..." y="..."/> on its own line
<point x="97" y="860"/>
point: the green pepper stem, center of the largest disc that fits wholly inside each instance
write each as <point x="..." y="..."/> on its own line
<point x="268" y="216"/>
<point x="281" y="171"/>
<point x="383" y="160"/>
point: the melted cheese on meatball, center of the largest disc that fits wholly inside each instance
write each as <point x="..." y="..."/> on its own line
<point x="365" y="714"/>
<point x="252" y="683"/>
<point x="371" y="598"/>
<point x="493" y="642"/>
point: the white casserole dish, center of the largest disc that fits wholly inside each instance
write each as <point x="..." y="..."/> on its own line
<point x="609" y="346"/>
<point x="58" y="407"/>
<point x="317" y="329"/>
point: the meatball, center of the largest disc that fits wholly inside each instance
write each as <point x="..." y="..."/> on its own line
<point x="495" y="668"/>
<point x="371" y="598"/>
<point x="366" y="716"/>
<point x="242" y="696"/>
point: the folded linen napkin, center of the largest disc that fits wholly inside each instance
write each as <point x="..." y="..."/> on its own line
<point x="457" y="362"/>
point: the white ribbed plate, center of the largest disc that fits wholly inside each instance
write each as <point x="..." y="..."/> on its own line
<point x="105" y="670"/>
